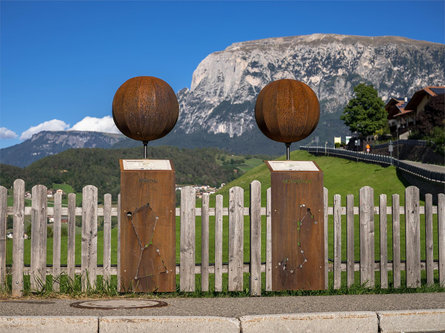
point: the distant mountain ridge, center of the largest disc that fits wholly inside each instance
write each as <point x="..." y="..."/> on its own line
<point x="218" y="109"/>
<point x="47" y="143"/>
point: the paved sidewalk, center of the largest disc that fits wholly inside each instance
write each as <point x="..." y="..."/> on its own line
<point x="426" y="166"/>
<point x="232" y="307"/>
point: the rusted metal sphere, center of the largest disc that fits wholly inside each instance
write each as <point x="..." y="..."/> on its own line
<point x="145" y="108"/>
<point x="287" y="110"/>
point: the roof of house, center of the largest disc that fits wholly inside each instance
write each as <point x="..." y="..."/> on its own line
<point x="397" y="104"/>
<point x="403" y="108"/>
<point x="420" y="94"/>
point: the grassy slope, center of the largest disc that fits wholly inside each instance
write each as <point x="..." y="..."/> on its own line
<point x="341" y="176"/>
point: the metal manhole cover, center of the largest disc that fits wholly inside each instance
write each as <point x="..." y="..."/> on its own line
<point x="114" y="304"/>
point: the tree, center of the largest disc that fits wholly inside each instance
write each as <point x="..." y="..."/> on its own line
<point x="365" y="113"/>
<point x="430" y="123"/>
<point x="432" y="116"/>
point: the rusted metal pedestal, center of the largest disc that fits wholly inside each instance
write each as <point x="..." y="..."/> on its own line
<point x="148" y="233"/>
<point x="297" y="225"/>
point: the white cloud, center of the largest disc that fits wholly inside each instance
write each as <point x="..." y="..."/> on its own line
<point x="50" y="125"/>
<point x="7" y="133"/>
<point x="105" y="124"/>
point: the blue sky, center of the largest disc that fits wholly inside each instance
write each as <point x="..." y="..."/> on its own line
<point x="62" y="61"/>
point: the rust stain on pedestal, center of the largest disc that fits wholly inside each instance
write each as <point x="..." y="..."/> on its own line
<point x="297" y="230"/>
<point x="148" y="232"/>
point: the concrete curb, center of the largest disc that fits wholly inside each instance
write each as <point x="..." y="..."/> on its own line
<point x="412" y="321"/>
<point x="357" y="321"/>
<point x="50" y="324"/>
<point x="167" y="324"/>
<point x="329" y="322"/>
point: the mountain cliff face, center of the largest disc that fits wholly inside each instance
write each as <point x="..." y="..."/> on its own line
<point x="218" y="109"/>
<point x="49" y="143"/>
<point x="225" y="85"/>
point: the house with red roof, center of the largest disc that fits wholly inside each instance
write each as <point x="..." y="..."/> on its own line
<point x="402" y="113"/>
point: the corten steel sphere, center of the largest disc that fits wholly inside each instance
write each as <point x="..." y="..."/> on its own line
<point x="287" y="110"/>
<point x="145" y="108"/>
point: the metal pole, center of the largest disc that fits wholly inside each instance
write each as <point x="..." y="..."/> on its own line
<point x="288" y="151"/>
<point x="145" y="148"/>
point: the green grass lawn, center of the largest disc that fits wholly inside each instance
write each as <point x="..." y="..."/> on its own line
<point x="249" y="164"/>
<point x="341" y="176"/>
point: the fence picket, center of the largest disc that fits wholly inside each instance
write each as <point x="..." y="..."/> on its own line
<point x="3" y="223"/>
<point x="218" y="241"/>
<point x="396" y="241"/>
<point x="429" y="239"/>
<point x="236" y="213"/>
<point x="441" y="236"/>
<point x="255" y="238"/>
<point x="337" y="241"/>
<point x="38" y="237"/>
<point x="71" y="251"/>
<point x="326" y="238"/>
<point x="268" y="240"/>
<point x="187" y="254"/>
<point x="106" y="263"/>
<point x="57" y="240"/>
<point x="236" y="238"/>
<point x="367" y="236"/>
<point x="118" y="277"/>
<point x="412" y="237"/>
<point x="89" y="237"/>
<point x="18" y="245"/>
<point x="383" y="242"/>
<point x="350" y="240"/>
<point x="205" y="243"/>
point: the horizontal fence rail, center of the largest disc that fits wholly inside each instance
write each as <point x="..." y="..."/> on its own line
<point x="399" y="235"/>
<point x="408" y="142"/>
<point x="430" y="175"/>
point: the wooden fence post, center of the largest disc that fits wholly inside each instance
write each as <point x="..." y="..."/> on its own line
<point x="187" y="254"/>
<point x="236" y="238"/>
<point x="89" y="237"/>
<point x="429" y="239"/>
<point x="218" y="241"/>
<point x="350" y="240"/>
<point x="367" y="236"/>
<point x="326" y="237"/>
<point x="383" y="242"/>
<point x="396" y="241"/>
<point x="3" y="222"/>
<point x="71" y="250"/>
<point x="255" y="238"/>
<point x="18" y="246"/>
<point x="268" y="240"/>
<point x="38" y="237"/>
<point x="441" y="237"/>
<point x="205" y="242"/>
<point x="106" y="263"/>
<point x="337" y="241"/>
<point x="57" y="240"/>
<point x="412" y="237"/>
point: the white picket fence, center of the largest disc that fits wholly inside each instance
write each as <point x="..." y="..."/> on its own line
<point x="187" y="268"/>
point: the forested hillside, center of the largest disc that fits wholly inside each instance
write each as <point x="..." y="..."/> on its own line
<point x="100" y="167"/>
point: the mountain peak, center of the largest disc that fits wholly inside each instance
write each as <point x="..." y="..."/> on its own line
<point x="225" y="84"/>
<point x="321" y="38"/>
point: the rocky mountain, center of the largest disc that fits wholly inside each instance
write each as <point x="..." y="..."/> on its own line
<point x="218" y="109"/>
<point x="49" y="143"/>
<point x="219" y="106"/>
